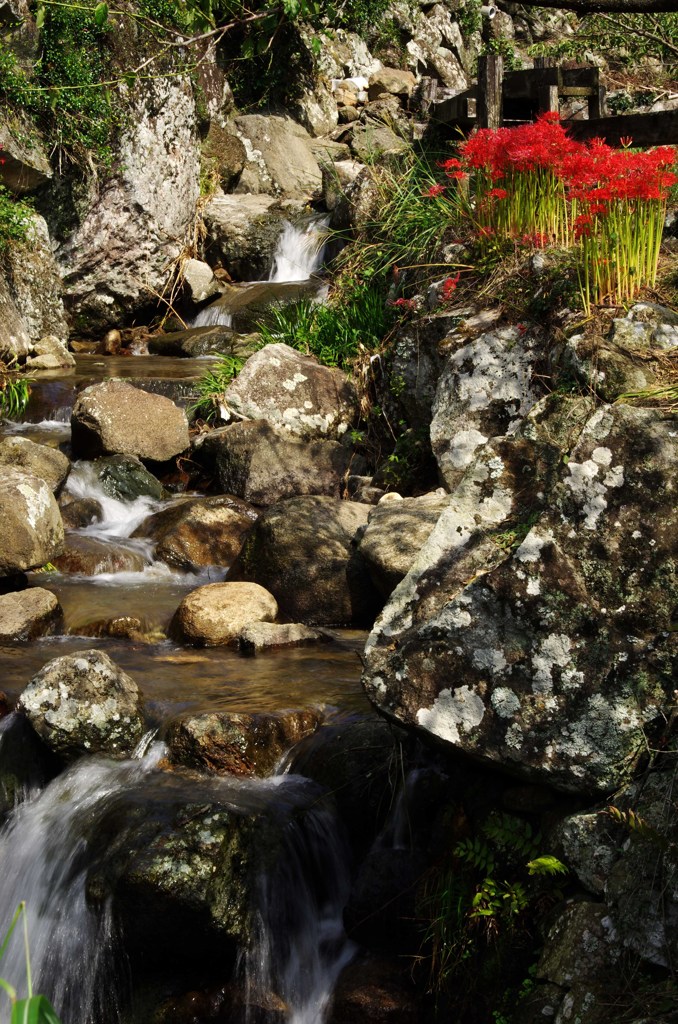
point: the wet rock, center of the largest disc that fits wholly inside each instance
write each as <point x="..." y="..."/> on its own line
<point x="48" y="464"/>
<point x="243" y="232"/>
<point x="484" y="391"/>
<point x="266" y="636"/>
<point x="84" y="703"/>
<point x="215" y="614"/>
<point x="554" y="661"/>
<point x="89" y="556"/>
<point x="279" y="157"/>
<point x="29" y="614"/>
<point x="376" y="990"/>
<point x="232" y="743"/>
<point x="80" y="512"/>
<point x="303" y="551"/>
<point x="32" y="530"/>
<point x="115" y="418"/>
<point x="26" y="764"/>
<point x="396" y="532"/>
<point x="123" y="627"/>
<point x="262" y="467"/>
<point x="199" y="531"/>
<point x="294" y="394"/>
<point x="353" y="759"/>
<point x="126" y="478"/>
<point x="204" y="341"/>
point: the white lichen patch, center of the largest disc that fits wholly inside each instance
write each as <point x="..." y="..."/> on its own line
<point x="490" y="660"/>
<point x="587" y="487"/>
<point x="451" y="712"/>
<point x="530" y="549"/>
<point x="505" y="702"/>
<point x="534" y="586"/>
<point x="463" y="447"/>
<point x="292" y="383"/>
<point x="554" y="651"/>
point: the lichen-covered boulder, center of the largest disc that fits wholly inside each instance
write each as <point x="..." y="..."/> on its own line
<point x="29" y="613"/>
<point x="83" y="703"/>
<point x="216" y="613"/>
<point x="294" y="394"/>
<point x="396" y="532"/>
<point x="238" y="743"/>
<point x="552" y="661"/>
<point x="115" y="418"/>
<point x="199" y="531"/>
<point x="303" y="551"/>
<point x="32" y="531"/>
<point x="256" y="463"/>
<point x="485" y="390"/>
<point x="280" y="160"/>
<point x="48" y="464"/>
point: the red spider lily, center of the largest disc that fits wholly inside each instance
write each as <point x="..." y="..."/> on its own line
<point x="498" y="193"/>
<point x="406" y="304"/>
<point x="434" y="190"/>
<point x="449" y="287"/>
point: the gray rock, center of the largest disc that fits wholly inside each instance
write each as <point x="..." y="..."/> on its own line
<point x="303" y="551"/>
<point x="35" y="286"/>
<point x="294" y="394"/>
<point x="254" y="462"/>
<point x="236" y="743"/>
<point x="28" y="614"/>
<point x="316" y="109"/>
<point x="485" y="390"/>
<point x="49" y="353"/>
<point x="139" y="216"/>
<point x="280" y="161"/>
<point x="217" y="613"/>
<point x="115" y="418"/>
<point x="25" y="164"/>
<point x="32" y="530"/>
<point x="200" y="280"/>
<point x="48" y="464"/>
<point x="582" y="944"/>
<point x="266" y="636"/>
<point x="610" y="367"/>
<point x="84" y="703"/>
<point x="504" y="667"/>
<point x="126" y="478"/>
<point x="373" y="141"/>
<point x="391" y="82"/>
<point x="395" y="534"/>
<point x="198" y="532"/>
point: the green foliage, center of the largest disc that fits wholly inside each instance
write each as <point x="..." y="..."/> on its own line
<point x="15" y="390"/>
<point x="546" y="865"/>
<point x="15" y="218"/>
<point x="636" y="825"/>
<point x="356" y="317"/>
<point x="212" y="385"/>
<point x="626" y="40"/>
<point x="505" y="48"/>
<point x="34" y="1009"/>
<point x="469" y="17"/>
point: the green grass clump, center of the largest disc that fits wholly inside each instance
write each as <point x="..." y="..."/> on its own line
<point x="15" y="219"/>
<point x="15" y="390"/>
<point x="211" y="388"/>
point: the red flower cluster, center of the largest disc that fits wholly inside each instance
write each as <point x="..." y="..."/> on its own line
<point x="449" y="287"/>
<point x="435" y="190"/>
<point x="405" y="304"/>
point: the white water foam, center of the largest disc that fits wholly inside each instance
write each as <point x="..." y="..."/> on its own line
<point x="300" y="250"/>
<point x="119" y="518"/>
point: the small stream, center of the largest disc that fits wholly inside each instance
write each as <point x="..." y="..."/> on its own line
<point x="49" y="845"/>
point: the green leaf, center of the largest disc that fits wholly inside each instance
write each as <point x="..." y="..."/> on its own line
<point x="101" y="14"/>
<point x="546" y="865"/>
<point x="34" y="1010"/>
<point x="40" y="16"/>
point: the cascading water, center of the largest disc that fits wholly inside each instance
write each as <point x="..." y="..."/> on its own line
<point x="300" y="249"/>
<point x="43" y="852"/>
<point x="215" y="315"/>
<point x="119" y="518"/>
<point x="300" y="946"/>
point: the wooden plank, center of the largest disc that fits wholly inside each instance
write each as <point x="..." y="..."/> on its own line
<point x="645" y="129"/>
<point x="547" y="95"/>
<point x="490" y="93"/>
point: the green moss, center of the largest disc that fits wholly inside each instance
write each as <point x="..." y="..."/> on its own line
<point x="15" y="218"/>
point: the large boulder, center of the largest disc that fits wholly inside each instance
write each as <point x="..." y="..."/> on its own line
<point x="199" y="531"/>
<point x="396" y="532"/>
<point x="29" y="613"/>
<point x="216" y="613"/>
<point x="485" y="390"/>
<point x="32" y="530"/>
<point x="553" y="661"/>
<point x="83" y="703"/>
<point x="293" y="393"/>
<point x="280" y="159"/>
<point x="115" y="418"/>
<point x="303" y="550"/>
<point x="116" y="259"/>
<point x="48" y="464"/>
<point x="238" y="743"/>
<point x="254" y="462"/>
<point x="34" y="283"/>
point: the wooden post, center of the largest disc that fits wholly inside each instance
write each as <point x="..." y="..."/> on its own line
<point x="547" y="95"/>
<point x="428" y="92"/>
<point x="490" y="78"/>
<point x="597" y="105"/>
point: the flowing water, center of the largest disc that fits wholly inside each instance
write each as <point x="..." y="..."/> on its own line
<point x="48" y="844"/>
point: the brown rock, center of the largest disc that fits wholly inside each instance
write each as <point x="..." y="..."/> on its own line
<point x="199" y="531"/>
<point x="88" y="556"/>
<point x="28" y="614"/>
<point x="115" y="418"/>
<point x="215" y="614"/>
<point x="264" y="636"/>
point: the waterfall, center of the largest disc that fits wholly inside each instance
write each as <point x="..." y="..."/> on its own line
<point x="43" y="853"/>
<point x="300" y="946"/>
<point x="119" y="518"/>
<point x="215" y="315"/>
<point x="300" y="248"/>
